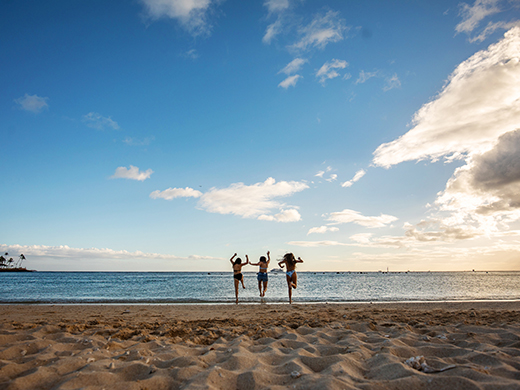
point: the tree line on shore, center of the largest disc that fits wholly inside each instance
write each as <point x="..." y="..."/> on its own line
<point x="11" y="263"/>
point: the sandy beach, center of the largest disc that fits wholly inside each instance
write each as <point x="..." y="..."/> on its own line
<point x="463" y="345"/>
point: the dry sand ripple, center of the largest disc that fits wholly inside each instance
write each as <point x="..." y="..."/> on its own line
<point x="346" y="346"/>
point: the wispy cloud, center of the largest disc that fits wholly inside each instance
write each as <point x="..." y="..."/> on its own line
<point x="99" y="122"/>
<point x="138" y="142"/>
<point x="391" y="83"/>
<point x="131" y="173"/>
<point x="32" y="103"/>
<point x="66" y="252"/>
<point x="172" y="193"/>
<point x="351" y="216"/>
<point x="328" y="70"/>
<point x="191" y="54"/>
<point x="291" y="215"/>
<point x="332" y="177"/>
<point x="191" y="14"/>
<point x="247" y="201"/>
<point x="359" y="174"/>
<point x="365" y="76"/>
<point x="321" y="173"/>
<point x="290" y="81"/>
<point x="293" y="66"/>
<point x="272" y="31"/>
<point x="276" y="8"/>
<point x="322" y="229"/>
<point x="321" y="31"/>
<point x="472" y="15"/>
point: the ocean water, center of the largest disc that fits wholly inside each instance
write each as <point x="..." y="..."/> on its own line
<point x="217" y="287"/>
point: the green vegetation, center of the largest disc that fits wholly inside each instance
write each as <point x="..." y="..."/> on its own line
<point x="11" y="264"/>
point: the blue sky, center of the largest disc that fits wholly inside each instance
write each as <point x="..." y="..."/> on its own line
<point x="166" y="135"/>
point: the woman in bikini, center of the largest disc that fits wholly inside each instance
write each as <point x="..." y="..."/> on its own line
<point x="262" y="273"/>
<point x="237" y="272"/>
<point x="292" y="280"/>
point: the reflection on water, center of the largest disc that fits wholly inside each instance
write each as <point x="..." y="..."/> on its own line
<point x="217" y="287"/>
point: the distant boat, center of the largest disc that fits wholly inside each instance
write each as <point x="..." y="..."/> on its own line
<point x="277" y="270"/>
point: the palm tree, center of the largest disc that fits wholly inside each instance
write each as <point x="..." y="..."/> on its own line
<point x="2" y="261"/>
<point x="22" y="258"/>
<point x="10" y="262"/>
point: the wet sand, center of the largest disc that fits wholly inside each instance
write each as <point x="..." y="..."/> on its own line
<point x="464" y="345"/>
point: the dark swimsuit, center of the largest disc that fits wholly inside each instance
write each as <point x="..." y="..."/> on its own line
<point x="238" y="276"/>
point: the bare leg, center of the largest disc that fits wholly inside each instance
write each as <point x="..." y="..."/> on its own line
<point x="265" y="288"/>
<point x="294" y="280"/>
<point x="236" y="290"/>
<point x="242" y="280"/>
<point x="289" y="285"/>
<point x="260" y="287"/>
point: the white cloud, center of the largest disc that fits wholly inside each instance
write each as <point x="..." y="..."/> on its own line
<point x="333" y="177"/>
<point x="362" y="238"/>
<point x="139" y="142"/>
<point x="32" y="103"/>
<point x="99" y="122"/>
<point x="328" y="70"/>
<point x="351" y="216"/>
<point x="131" y="173"/>
<point x="253" y="201"/>
<point x="290" y="215"/>
<point x="321" y="31"/>
<point x="472" y="15"/>
<point x="276" y="6"/>
<point x="172" y="193"/>
<point x="476" y="117"/>
<point x="191" y="14"/>
<point x="321" y="173"/>
<point x="359" y="174"/>
<point x="484" y="195"/>
<point x="290" y="81"/>
<point x="322" y="229"/>
<point x="272" y="31"/>
<point x="391" y="83"/>
<point x="191" y="54"/>
<point x="293" y="66"/>
<point x="479" y="103"/>
<point x="313" y="244"/>
<point x="66" y="252"/>
<point x="365" y="76"/>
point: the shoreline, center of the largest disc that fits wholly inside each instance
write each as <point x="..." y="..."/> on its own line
<point x="464" y="345"/>
<point x="260" y="303"/>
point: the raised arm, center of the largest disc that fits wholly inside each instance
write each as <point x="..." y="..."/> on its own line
<point x="268" y="257"/>
<point x="281" y="263"/>
<point x="299" y="260"/>
<point x="231" y="260"/>
<point x="247" y="260"/>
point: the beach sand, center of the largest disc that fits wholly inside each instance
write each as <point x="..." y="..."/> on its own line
<point x="464" y="345"/>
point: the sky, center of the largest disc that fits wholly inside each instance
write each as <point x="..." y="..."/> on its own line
<point x="167" y="135"/>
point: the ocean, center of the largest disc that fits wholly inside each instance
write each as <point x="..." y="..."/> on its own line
<point x="218" y="288"/>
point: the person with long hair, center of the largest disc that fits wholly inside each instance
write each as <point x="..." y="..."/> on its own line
<point x="290" y="271"/>
<point x="263" y="263"/>
<point x="237" y="273"/>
